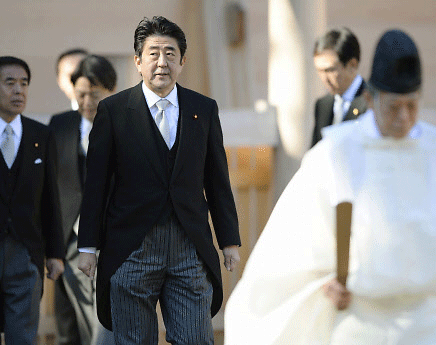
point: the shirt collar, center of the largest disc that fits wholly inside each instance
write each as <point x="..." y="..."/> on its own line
<point x="85" y="124"/>
<point x="15" y="124"/>
<point x="152" y="98"/>
<point x="349" y="94"/>
<point x="74" y="104"/>
<point x="370" y="127"/>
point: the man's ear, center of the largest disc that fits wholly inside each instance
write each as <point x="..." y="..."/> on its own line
<point x="183" y="60"/>
<point x="138" y="63"/>
<point x="353" y="63"/>
<point x="368" y="99"/>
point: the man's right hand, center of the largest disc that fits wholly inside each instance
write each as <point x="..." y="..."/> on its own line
<point x="338" y="294"/>
<point x="88" y="264"/>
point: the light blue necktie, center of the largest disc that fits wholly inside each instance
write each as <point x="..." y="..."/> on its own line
<point x="162" y="120"/>
<point x="85" y="137"/>
<point x="8" y="146"/>
<point x="338" y="109"/>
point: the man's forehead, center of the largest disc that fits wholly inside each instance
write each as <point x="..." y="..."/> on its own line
<point x="398" y="97"/>
<point x="161" y="41"/>
<point x="90" y="88"/>
<point x="13" y="72"/>
<point x="326" y="59"/>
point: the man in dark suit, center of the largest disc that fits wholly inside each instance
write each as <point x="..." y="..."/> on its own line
<point x="29" y="212"/>
<point x="336" y="57"/>
<point x="162" y="145"/>
<point x="93" y="80"/>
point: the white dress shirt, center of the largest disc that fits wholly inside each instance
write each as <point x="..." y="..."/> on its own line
<point x="348" y="96"/>
<point x="171" y="111"/>
<point x="85" y="129"/>
<point x="74" y="104"/>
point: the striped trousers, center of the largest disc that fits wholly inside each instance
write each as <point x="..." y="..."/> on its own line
<point x="20" y="287"/>
<point x="166" y="267"/>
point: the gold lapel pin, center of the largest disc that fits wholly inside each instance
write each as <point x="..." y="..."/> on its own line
<point x="195" y="116"/>
<point x="355" y="111"/>
<point x="36" y="144"/>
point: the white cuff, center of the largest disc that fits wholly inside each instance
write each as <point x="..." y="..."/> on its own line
<point x="91" y="250"/>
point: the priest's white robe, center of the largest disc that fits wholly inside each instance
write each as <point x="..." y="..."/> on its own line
<point x="392" y="270"/>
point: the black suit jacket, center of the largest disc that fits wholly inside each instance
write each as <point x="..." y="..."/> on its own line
<point x="32" y="214"/>
<point x="121" y="145"/>
<point x="65" y="128"/>
<point x="324" y="111"/>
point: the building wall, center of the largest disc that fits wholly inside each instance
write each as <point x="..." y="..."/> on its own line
<point x="38" y="31"/>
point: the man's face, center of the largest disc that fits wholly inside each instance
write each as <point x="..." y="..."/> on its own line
<point x="14" y="83"/>
<point x="396" y="114"/>
<point x="335" y="76"/>
<point x="66" y="68"/>
<point x="88" y="96"/>
<point x="160" y="64"/>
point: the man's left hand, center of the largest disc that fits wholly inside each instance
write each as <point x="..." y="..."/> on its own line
<point x="231" y="257"/>
<point x="55" y="268"/>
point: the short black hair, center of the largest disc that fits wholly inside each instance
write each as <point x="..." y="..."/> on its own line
<point x="158" y="26"/>
<point x="12" y="60"/>
<point x="98" y="70"/>
<point x="69" y="52"/>
<point x="342" y="41"/>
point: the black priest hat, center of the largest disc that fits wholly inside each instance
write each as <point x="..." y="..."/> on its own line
<point x="396" y="66"/>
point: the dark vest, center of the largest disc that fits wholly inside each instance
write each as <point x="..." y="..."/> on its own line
<point x="9" y="179"/>
<point x="168" y="159"/>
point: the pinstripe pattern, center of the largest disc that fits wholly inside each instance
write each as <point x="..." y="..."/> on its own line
<point x="165" y="268"/>
<point x="21" y="288"/>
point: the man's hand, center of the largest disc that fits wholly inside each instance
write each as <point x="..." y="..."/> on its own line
<point x="338" y="294"/>
<point x="88" y="264"/>
<point x="231" y="257"/>
<point x="55" y="268"/>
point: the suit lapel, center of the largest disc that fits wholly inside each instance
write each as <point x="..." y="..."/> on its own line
<point x="186" y="114"/>
<point x="183" y="111"/>
<point x="76" y="148"/>
<point x="2" y="184"/>
<point x="72" y="147"/>
<point x="327" y="112"/>
<point x="140" y="127"/>
<point x="28" y="142"/>
<point x="358" y="105"/>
